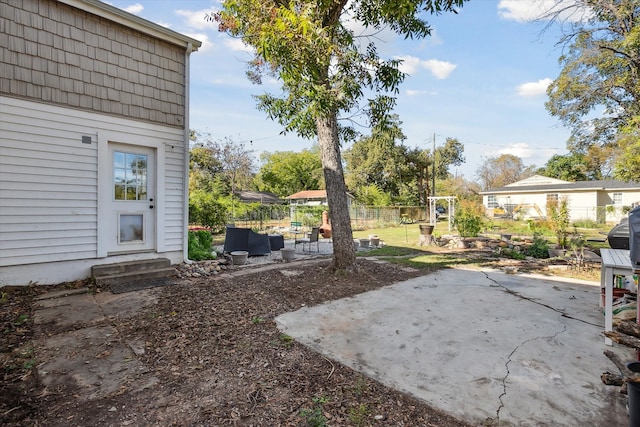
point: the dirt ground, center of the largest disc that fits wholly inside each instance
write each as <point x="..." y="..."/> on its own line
<point x="211" y="355"/>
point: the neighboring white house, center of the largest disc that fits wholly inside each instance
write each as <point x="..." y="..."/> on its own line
<point x="93" y="139"/>
<point x="601" y="201"/>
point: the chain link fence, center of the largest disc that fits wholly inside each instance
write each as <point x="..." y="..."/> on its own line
<point x="278" y="217"/>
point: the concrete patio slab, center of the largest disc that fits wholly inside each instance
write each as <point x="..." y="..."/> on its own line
<point x="487" y="347"/>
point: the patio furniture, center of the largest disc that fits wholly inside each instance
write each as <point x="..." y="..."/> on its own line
<point x="245" y="239"/>
<point x="313" y="237"/>
<point x="276" y="242"/>
<point x="296" y="229"/>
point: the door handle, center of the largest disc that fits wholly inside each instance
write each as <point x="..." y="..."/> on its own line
<point x="150" y="206"/>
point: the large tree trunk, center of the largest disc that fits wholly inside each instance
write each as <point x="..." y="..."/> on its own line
<point x="344" y="257"/>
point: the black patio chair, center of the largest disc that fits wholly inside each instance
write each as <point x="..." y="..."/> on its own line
<point x="313" y="237"/>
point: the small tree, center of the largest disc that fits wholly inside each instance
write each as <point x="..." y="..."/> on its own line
<point x="558" y="213"/>
<point x="468" y="219"/>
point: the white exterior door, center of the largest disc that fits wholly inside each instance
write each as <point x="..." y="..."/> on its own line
<point x="132" y="210"/>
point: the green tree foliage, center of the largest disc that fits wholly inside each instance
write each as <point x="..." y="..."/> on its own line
<point x="447" y="155"/>
<point x="569" y="167"/>
<point x="287" y="172"/>
<point x="371" y="195"/>
<point x="382" y="161"/>
<point x="220" y="166"/>
<point x="208" y="209"/>
<point x="206" y="171"/>
<point x="325" y="71"/>
<point x="597" y="93"/>
<point x="216" y="170"/>
<point x="378" y="164"/>
<point x="627" y="167"/>
<point x="460" y="187"/>
<point x="499" y="171"/>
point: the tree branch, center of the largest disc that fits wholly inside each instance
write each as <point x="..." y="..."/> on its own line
<point x="333" y="14"/>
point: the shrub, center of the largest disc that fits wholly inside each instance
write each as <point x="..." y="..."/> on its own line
<point x="206" y="210"/>
<point x="468" y="219"/>
<point x="513" y="254"/>
<point x="201" y="245"/>
<point x="539" y="248"/>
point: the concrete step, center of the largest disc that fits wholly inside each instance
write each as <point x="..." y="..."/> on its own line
<point x="125" y="267"/>
<point x="103" y="281"/>
<point x="108" y="274"/>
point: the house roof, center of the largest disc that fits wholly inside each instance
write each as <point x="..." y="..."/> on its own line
<point x="528" y="186"/>
<point x="127" y="19"/>
<point x="308" y="194"/>
<point x="263" y="197"/>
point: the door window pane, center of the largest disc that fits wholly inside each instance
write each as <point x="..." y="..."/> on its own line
<point x="131" y="228"/>
<point x="129" y="176"/>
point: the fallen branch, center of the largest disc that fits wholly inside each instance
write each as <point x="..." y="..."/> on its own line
<point x="626" y="373"/>
<point x="629" y="327"/>
<point x="623" y="339"/>
<point x="620" y="364"/>
<point x="332" y="368"/>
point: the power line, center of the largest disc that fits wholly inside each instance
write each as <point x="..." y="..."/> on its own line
<point x="529" y="147"/>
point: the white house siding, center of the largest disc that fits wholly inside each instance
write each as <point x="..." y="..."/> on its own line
<point x="49" y="189"/>
<point x="583" y="205"/>
<point x="174" y="198"/>
<point x="588" y="204"/>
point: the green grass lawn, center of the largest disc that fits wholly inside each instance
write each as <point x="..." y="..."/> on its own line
<point x="401" y="247"/>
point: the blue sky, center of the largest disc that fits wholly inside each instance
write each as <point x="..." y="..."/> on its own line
<point x="480" y="78"/>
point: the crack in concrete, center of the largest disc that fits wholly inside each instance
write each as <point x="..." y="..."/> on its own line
<point x="557" y="310"/>
<point x="504" y="379"/>
<point x="506" y="365"/>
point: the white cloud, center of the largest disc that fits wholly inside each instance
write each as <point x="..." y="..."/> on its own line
<point x="204" y="38"/>
<point x="439" y="69"/>
<point x="196" y="19"/>
<point x="521" y="150"/>
<point x="534" y="88"/>
<point x="409" y="64"/>
<point x="531" y="10"/>
<point x="237" y="45"/>
<point x="136" y="9"/>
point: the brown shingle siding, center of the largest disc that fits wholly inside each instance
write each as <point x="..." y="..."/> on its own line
<point x="53" y="52"/>
<point x="50" y="26"/>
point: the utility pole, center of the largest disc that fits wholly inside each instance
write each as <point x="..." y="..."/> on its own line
<point x="433" y="175"/>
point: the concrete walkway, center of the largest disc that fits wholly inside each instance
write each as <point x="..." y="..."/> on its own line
<point x="486" y="347"/>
